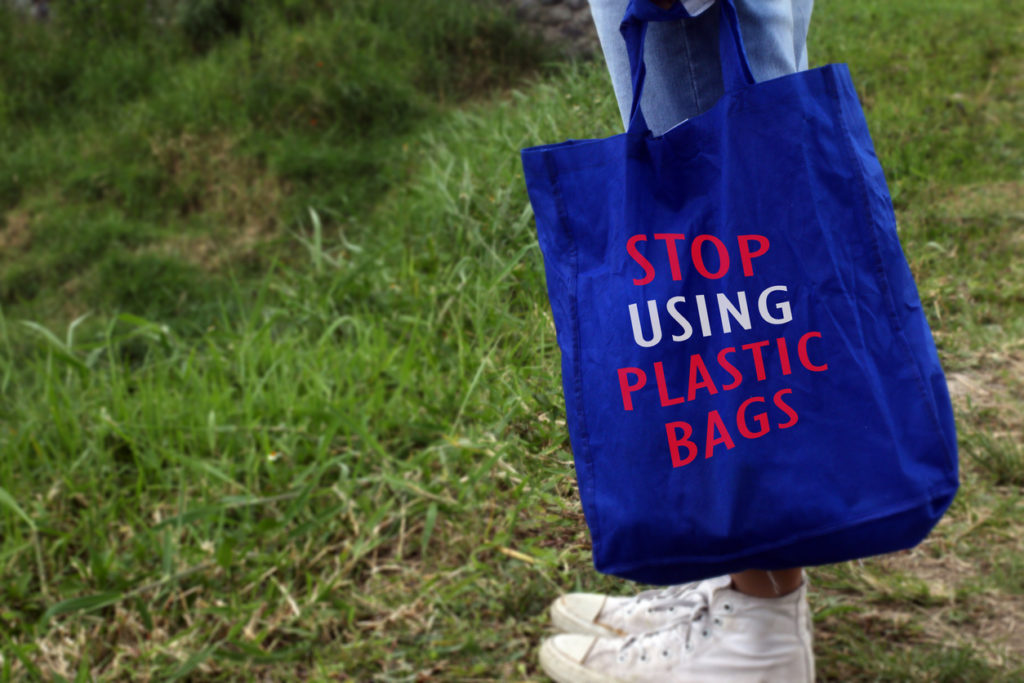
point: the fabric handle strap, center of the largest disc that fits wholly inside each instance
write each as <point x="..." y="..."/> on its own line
<point x="735" y="67"/>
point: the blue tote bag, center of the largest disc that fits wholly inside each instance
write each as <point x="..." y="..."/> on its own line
<point x="749" y="378"/>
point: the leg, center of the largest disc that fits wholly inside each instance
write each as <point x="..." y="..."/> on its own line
<point x="684" y="79"/>
<point x="754" y="625"/>
<point x="683" y="72"/>
<point x="768" y="584"/>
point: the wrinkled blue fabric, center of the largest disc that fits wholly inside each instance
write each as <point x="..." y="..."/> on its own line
<point x="804" y="421"/>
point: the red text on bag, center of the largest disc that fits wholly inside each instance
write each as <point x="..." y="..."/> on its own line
<point x="701" y="248"/>
<point x="680" y="434"/>
<point x="632" y="379"/>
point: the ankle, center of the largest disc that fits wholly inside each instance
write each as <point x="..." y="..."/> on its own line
<point x="768" y="584"/>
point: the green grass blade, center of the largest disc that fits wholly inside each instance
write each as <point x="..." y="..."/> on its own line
<point x="85" y="603"/>
<point x="7" y="500"/>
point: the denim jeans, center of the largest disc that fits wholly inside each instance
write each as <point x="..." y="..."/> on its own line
<point x="683" y="72"/>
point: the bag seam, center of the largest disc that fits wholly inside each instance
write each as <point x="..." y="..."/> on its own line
<point x="880" y="263"/>
<point x="791" y="541"/>
<point x="577" y="370"/>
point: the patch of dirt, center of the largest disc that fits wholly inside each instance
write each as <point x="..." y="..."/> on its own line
<point x="999" y="621"/>
<point x="16" y="231"/>
<point x="1002" y="197"/>
<point x="988" y="624"/>
<point x="996" y="385"/>
<point x="974" y="386"/>
<point x="941" y="574"/>
<point x="956" y="612"/>
<point x="239" y="194"/>
<point x="990" y="397"/>
<point x="213" y="250"/>
<point x="970" y="202"/>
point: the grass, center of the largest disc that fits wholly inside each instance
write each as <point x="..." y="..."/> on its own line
<point x="280" y="400"/>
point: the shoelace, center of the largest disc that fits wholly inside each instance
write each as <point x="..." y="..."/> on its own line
<point x="699" y="602"/>
<point x="669" y="598"/>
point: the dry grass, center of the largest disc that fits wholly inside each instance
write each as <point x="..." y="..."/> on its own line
<point x="238" y="198"/>
<point x="16" y="231"/>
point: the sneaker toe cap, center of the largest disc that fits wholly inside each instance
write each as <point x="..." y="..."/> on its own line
<point x="583" y="606"/>
<point x="568" y="646"/>
<point x="578" y="612"/>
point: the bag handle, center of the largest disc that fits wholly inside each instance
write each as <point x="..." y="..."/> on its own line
<point x="735" y="67"/>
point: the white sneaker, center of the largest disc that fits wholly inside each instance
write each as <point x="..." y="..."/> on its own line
<point x="725" y="636"/>
<point x="604" y="615"/>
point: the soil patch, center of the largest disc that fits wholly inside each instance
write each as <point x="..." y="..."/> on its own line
<point x="15" y="233"/>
